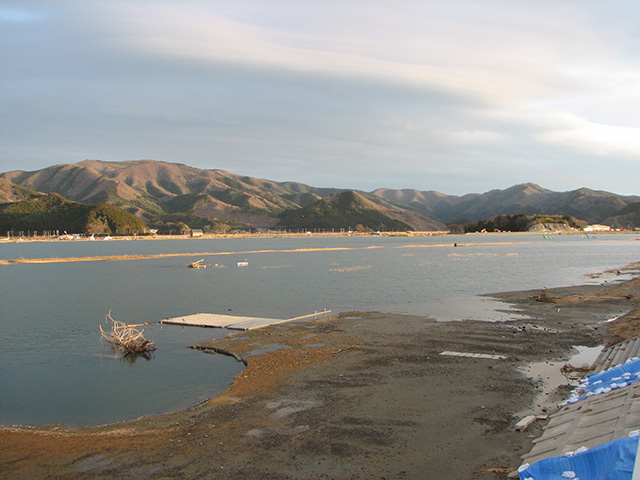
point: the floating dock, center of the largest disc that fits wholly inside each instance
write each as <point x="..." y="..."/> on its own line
<point x="234" y="322"/>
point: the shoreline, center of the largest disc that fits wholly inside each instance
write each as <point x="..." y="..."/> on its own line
<point x="246" y="252"/>
<point x="359" y="395"/>
<point x="210" y="236"/>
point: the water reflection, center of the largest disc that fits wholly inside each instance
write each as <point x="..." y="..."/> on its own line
<point x="550" y="375"/>
<point x="131" y="357"/>
<point x="127" y="358"/>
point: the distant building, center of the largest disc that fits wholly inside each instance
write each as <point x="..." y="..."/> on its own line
<point x="197" y="232"/>
<point x="597" y="228"/>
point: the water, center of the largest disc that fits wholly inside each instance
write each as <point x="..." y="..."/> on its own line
<point x="53" y="367"/>
<point x="549" y="376"/>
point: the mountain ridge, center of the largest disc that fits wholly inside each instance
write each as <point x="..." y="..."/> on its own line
<point x="155" y="191"/>
<point x="353" y="209"/>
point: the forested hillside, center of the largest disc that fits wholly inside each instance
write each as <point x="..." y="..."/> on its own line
<point x="53" y="213"/>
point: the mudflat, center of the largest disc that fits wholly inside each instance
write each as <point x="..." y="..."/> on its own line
<point x="361" y="395"/>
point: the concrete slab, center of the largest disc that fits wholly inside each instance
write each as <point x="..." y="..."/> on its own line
<point x="588" y="423"/>
<point x="617" y="354"/>
<point x="233" y="322"/>
<point x="212" y="320"/>
<point x="594" y="420"/>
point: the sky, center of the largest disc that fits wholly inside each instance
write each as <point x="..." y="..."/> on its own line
<point x="457" y="96"/>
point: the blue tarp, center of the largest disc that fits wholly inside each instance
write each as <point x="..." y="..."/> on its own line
<point x="612" y="379"/>
<point x="610" y="461"/>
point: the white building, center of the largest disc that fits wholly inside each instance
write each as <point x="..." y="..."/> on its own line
<point x="597" y="228"/>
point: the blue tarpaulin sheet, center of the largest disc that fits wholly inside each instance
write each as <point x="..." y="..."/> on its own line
<point x="610" y="461"/>
<point x="604" y="382"/>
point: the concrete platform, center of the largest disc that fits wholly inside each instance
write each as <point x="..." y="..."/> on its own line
<point x="233" y="322"/>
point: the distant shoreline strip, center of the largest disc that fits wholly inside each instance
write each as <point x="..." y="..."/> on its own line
<point x="192" y="254"/>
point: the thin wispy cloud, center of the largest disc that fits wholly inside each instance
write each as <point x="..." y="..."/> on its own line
<point x="455" y="96"/>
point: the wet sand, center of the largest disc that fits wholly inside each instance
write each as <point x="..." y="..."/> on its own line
<point x="362" y="395"/>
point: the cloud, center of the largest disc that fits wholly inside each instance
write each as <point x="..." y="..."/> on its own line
<point x="595" y="138"/>
<point x="494" y="61"/>
<point x="459" y="95"/>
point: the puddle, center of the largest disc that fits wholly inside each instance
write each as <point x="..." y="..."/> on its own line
<point x="548" y="376"/>
<point x="272" y="347"/>
<point x="461" y="307"/>
<point x="585" y="356"/>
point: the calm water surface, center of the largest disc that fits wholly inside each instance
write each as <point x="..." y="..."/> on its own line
<point x="53" y="367"/>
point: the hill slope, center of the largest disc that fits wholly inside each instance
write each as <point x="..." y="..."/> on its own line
<point x="52" y="212"/>
<point x="346" y="210"/>
<point x="628" y="217"/>
<point x="10" y="192"/>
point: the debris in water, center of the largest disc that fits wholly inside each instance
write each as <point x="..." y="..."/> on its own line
<point x="198" y="264"/>
<point x="127" y="338"/>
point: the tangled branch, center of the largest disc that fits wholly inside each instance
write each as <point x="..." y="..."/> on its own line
<point x="126" y="338"/>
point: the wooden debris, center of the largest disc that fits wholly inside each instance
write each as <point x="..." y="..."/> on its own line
<point x="523" y="424"/>
<point x="198" y="264"/>
<point x="126" y="338"/>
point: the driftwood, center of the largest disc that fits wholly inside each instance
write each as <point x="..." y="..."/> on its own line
<point x="220" y="351"/>
<point x="126" y="338"/>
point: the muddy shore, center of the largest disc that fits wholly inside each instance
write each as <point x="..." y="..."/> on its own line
<point x="362" y="395"/>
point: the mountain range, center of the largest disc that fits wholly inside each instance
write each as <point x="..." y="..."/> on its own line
<point x="161" y="193"/>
